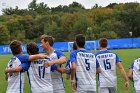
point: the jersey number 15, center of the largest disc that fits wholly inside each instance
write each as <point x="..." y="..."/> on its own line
<point x="107" y="64"/>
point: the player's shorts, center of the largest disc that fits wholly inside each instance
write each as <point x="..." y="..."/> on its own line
<point x="107" y="89"/>
<point x="85" y="92"/>
<point x="137" y="91"/>
<point x="59" y="91"/>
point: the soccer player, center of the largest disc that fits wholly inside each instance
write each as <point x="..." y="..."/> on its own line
<point x="39" y="76"/>
<point x="134" y="74"/>
<point x="56" y="57"/>
<point x="108" y="60"/>
<point x="18" y="64"/>
<point x="84" y="67"/>
<point x="68" y="64"/>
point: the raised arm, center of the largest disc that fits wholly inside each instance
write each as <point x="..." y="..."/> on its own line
<point x="62" y="70"/>
<point x="37" y="56"/>
<point x="13" y="70"/>
<point x="61" y="60"/>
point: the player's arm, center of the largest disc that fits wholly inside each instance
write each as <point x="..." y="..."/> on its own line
<point x="119" y="65"/>
<point x="73" y="82"/>
<point x="68" y="76"/>
<point x="98" y="68"/>
<point x="37" y="56"/>
<point x="130" y="74"/>
<point x="13" y="70"/>
<point x="6" y="76"/>
<point x="68" y="65"/>
<point x="62" y="70"/>
<point x="73" y="70"/>
<point x="61" y="60"/>
<point x="21" y="67"/>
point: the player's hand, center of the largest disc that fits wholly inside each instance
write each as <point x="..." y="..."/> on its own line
<point x="67" y="70"/>
<point x="6" y="74"/>
<point x="126" y="85"/>
<point x="47" y="64"/>
<point x="6" y="71"/>
<point x="44" y="56"/>
<point x="74" y="88"/>
<point x="73" y="85"/>
<point x="67" y="76"/>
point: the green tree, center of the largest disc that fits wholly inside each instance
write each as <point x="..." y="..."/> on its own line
<point x="40" y="8"/>
<point x="108" y="34"/>
<point x="4" y="34"/>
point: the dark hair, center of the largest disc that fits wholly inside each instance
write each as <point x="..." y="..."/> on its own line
<point x="74" y="47"/>
<point x="103" y="42"/>
<point x="15" y="47"/>
<point x="32" y="48"/>
<point x="48" y="38"/>
<point x="80" y="40"/>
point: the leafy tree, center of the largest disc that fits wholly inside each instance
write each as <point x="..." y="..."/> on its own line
<point x="108" y="34"/>
<point x="10" y="11"/>
<point x="4" y="34"/>
<point x="111" y="5"/>
<point x="40" y="8"/>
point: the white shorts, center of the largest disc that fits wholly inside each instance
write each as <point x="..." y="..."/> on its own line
<point x="137" y="91"/>
<point x="107" y="89"/>
<point x="85" y="92"/>
<point x="59" y="91"/>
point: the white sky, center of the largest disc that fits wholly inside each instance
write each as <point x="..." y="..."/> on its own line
<point x="53" y="3"/>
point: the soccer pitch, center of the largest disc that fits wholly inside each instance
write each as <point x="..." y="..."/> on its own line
<point x="126" y="55"/>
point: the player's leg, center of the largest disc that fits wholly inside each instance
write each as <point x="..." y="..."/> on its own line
<point x="113" y="90"/>
<point x="103" y="90"/>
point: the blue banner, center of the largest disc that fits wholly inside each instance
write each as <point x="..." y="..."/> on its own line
<point x="65" y="46"/>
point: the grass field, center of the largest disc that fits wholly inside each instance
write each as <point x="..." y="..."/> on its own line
<point x="126" y="55"/>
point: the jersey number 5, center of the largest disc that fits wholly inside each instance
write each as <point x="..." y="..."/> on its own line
<point x="87" y="64"/>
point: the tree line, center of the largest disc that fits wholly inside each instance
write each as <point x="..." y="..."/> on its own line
<point x="65" y="21"/>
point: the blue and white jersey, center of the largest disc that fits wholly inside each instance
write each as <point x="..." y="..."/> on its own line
<point x="40" y="77"/>
<point x="107" y="61"/>
<point x="86" y="65"/>
<point x="57" y="79"/>
<point x="16" y="80"/>
<point x="136" y="73"/>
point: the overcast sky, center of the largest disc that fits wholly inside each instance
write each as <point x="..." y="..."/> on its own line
<point x="53" y="3"/>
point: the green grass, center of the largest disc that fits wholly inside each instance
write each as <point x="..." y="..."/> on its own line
<point x="126" y="55"/>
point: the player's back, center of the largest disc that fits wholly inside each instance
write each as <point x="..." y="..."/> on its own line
<point x="136" y="73"/>
<point x="107" y="61"/>
<point x="85" y="70"/>
<point x="15" y="80"/>
<point x="40" y="77"/>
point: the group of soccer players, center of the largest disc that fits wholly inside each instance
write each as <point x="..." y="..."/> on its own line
<point x="44" y="71"/>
